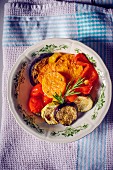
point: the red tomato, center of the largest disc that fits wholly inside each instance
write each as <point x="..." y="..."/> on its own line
<point x="37" y="90"/>
<point x="46" y="100"/>
<point x="35" y="104"/>
<point x="71" y="98"/>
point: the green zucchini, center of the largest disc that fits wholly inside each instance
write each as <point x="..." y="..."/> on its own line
<point x="47" y="113"/>
<point x="84" y="103"/>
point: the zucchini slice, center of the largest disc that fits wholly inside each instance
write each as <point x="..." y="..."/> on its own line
<point x="47" y="113"/>
<point x="84" y="103"/>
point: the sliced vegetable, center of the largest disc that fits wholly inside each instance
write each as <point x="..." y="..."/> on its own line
<point x="47" y="113"/>
<point x="85" y="89"/>
<point x="36" y="66"/>
<point x="62" y="84"/>
<point x="35" y="104"/>
<point x="37" y="90"/>
<point x="89" y="73"/>
<point x="64" y="65"/>
<point x="84" y="103"/>
<point x="71" y="98"/>
<point x="81" y="57"/>
<point x="46" y="100"/>
<point x="66" y="113"/>
<point x="52" y="83"/>
<point x="54" y="57"/>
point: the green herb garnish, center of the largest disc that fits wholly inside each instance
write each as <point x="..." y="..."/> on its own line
<point x="69" y="91"/>
<point x="59" y="98"/>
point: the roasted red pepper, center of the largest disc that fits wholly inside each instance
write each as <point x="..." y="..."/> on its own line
<point x="71" y="98"/>
<point x="89" y="73"/>
<point x="81" y="57"/>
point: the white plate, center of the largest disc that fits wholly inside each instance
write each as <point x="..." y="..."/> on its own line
<point x="19" y="87"/>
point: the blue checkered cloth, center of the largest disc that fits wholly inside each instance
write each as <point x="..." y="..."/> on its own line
<point x="27" y="22"/>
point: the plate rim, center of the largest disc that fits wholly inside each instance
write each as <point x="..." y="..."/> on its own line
<point x="18" y="118"/>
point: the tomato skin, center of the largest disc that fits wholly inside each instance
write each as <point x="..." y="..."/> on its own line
<point x="36" y="91"/>
<point x="35" y="104"/>
<point x="37" y="99"/>
<point x="46" y="100"/>
<point x="71" y="98"/>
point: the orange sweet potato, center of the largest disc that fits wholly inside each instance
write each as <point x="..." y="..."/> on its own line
<point x="64" y="65"/>
<point x="53" y="82"/>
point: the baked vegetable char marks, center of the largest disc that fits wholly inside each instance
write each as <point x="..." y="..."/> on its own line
<point x="36" y="66"/>
<point x="65" y="65"/>
<point x="66" y="113"/>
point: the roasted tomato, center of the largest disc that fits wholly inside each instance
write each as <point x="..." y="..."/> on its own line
<point x="37" y="90"/>
<point x="35" y="104"/>
<point x="46" y="100"/>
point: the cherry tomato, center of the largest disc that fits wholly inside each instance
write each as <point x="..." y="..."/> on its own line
<point x="35" y="104"/>
<point x="46" y="100"/>
<point x="71" y="98"/>
<point x="37" y="90"/>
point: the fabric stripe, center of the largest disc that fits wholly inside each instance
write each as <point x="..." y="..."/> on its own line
<point x="62" y="17"/>
<point x="96" y="141"/>
<point x="61" y="7"/>
<point x="109" y="142"/>
<point x="53" y="28"/>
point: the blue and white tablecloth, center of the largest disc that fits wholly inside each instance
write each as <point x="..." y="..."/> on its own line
<point x="27" y="22"/>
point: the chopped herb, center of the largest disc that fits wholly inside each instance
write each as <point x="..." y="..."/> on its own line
<point x="69" y="91"/>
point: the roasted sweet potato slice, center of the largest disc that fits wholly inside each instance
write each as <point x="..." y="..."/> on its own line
<point x="64" y="65"/>
<point x="53" y="82"/>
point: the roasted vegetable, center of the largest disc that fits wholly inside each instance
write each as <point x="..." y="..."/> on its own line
<point x="52" y="83"/>
<point x="54" y="57"/>
<point x="62" y="85"/>
<point x="36" y="66"/>
<point x="66" y="113"/>
<point x="84" y="103"/>
<point x="89" y="71"/>
<point x="47" y="113"/>
<point x="64" y="65"/>
<point x="70" y="94"/>
<point x="36" y="91"/>
<point x="35" y="105"/>
<point x="37" y="99"/>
